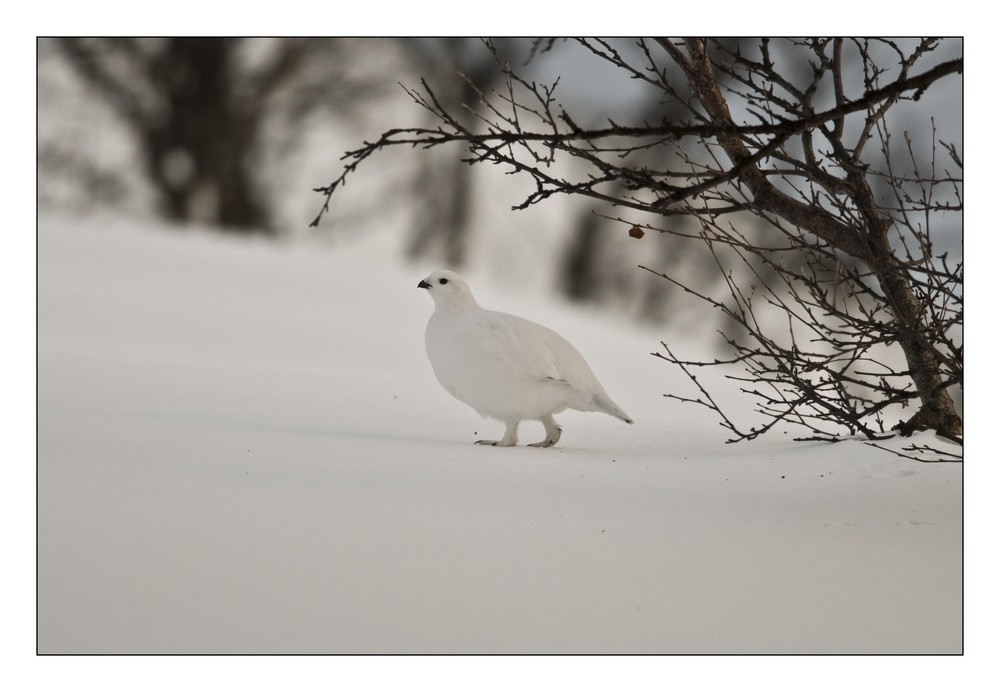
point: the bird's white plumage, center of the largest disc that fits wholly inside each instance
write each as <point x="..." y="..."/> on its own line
<point x="506" y="367"/>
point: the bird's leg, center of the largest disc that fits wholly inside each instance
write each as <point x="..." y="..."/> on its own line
<point x="509" y="437"/>
<point x="552" y="432"/>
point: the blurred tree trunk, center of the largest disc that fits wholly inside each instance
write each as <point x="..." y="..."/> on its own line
<point x="444" y="186"/>
<point x="195" y="111"/>
<point x="589" y="272"/>
<point x="200" y="154"/>
<point x="443" y="191"/>
<point x="580" y="277"/>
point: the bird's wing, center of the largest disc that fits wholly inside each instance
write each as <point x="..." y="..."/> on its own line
<point x="532" y="351"/>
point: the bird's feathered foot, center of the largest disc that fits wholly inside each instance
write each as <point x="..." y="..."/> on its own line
<point x="552" y="433"/>
<point x="509" y="437"/>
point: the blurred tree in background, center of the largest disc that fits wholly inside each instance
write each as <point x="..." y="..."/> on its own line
<point x="196" y="109"/>
<point x="443" y="189"/>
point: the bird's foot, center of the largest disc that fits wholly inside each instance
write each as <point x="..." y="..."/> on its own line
<point x="552" y="433"/>
<point x="509" y="438"/>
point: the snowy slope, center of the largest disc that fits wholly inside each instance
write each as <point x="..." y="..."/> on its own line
<point x="242" y="448"/>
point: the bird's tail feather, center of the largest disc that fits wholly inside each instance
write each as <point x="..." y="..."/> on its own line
<point x="606" y="405"/>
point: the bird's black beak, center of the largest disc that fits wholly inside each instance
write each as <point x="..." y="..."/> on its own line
<point x="423" y="284"/>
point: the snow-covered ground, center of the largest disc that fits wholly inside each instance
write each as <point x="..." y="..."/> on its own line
<point x="242" y="448"/>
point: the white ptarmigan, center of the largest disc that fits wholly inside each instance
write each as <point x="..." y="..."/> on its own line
<point x="506" y="367"/>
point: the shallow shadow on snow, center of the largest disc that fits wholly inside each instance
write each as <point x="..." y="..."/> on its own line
<point x="332" y="432"/>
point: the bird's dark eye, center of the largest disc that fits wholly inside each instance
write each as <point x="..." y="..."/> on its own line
<point x="442" y="281"/>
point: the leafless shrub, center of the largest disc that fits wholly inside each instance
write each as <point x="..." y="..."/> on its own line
<point x="845" y="311"/>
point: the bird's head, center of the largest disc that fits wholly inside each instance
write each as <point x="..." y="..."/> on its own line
<point x="448" y="289"/>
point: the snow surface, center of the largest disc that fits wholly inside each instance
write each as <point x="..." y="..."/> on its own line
<point x="242" y="449"/>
